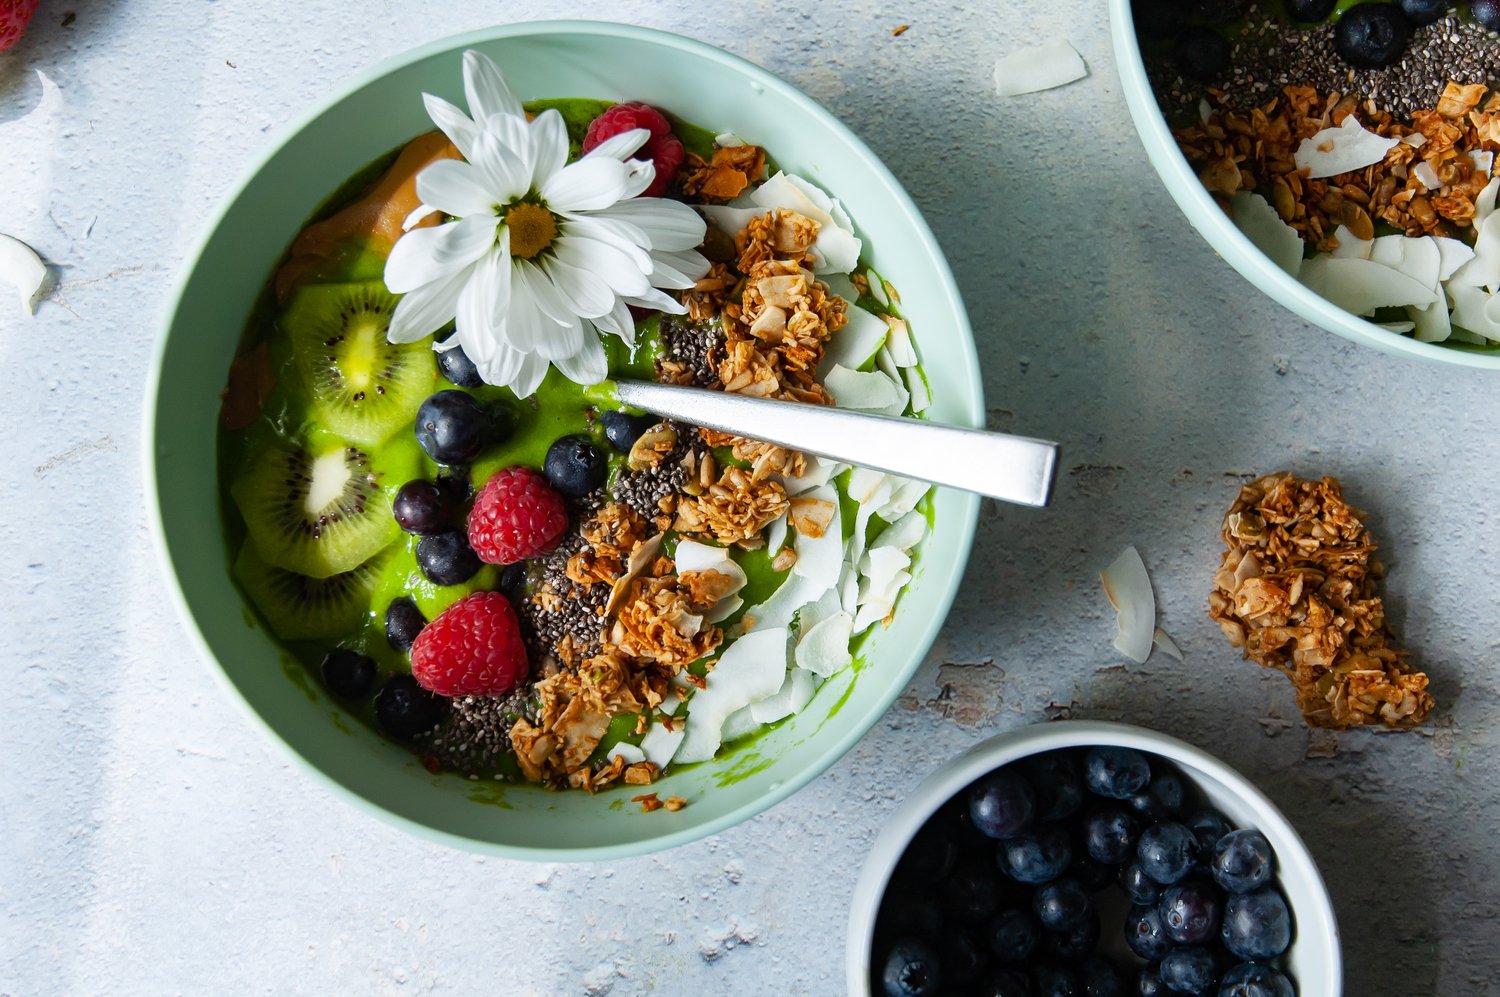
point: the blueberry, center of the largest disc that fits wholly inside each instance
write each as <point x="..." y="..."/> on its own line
<point x="348" y="674"/>
<point x="1148" y="982"/>
<point x="446" y="558"/>
<point x="1167" y="852"/>
<point x="1006" y="983"/>
<point x="453" y="428"/>
<point x="931" y="856"/>
<point x="911" y="970"/>
<point x="1189" y="970"/>
<point x="1156" y="18"/>
<point x="1077" y="942"/>
<point x="1162" y="797"/>
<point x="1421" y="12"/>
<point x="974" y="891"/>
<point x="403" y="621"/>
<point x="575" y="466"/>
<point x="1371" y="35"/>
<point x="1139" y="887"/>
<point x="622" y="429"/>
<point x="1052" y="980"/>
<point x="1190" y="912"/>
<point x="1220" y="11"/>
<point x="1486" y="13"/>
<point x="1116" y="773"/>
<point x="1250" y="979"/>
<point x="458" y="368"/>
<point x="1109" y="835"/>
<point x="1310" y="11"/>
<point x="405" y="709"/>
<point x="1257" y="925"/>
<point x="1243" y="861"/>
<point x="1201" y="54"/>
<point x="1099" y="978"/>
<point x="513" y="579"/>
<point x="963" y="959"/>
<point x="1002" y="804"/>
<point x="1039" y="856"/>
<point x="453" y="481"/>
<point x="909" y="913"/>
<point x="1146" y="933"/>
<point x="1059" y="787"/>
<point x="1208" y="827"/>
<point x="421" y="507"/>
<point x="1012" y="935"/>
<point x="1092" y="876"/>
<point x="1061" y="904"/>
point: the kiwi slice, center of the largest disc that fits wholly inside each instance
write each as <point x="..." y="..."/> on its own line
<point x="298" y="607"/>
<point x="362" y="386"/>
<point x="315" y="511"/>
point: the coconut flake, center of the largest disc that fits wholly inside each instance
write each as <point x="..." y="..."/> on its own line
<point x="1128" y="588"/>
<point x="629" y="752"/>
<point x="921" y="393"/>
<point x="1484" y="204"/>
<point x="727" y="219"/>
<point x="1362" y="286"/>
<point x="694" y="556"/>
<point x="871" y="391"/>
<point x="1471" y="311"/>
<point x="795" y="693"/>
<point x="1351" y="246"/>
<point x="837" y="247"/>
<point x="819" y="471"/>
<point x="903" y="353"/>
<point x="904" y="534"/>
<point x="794" y="592"/>
<point x="1484" y="269"/>
<point x="1167" y="644"/>
<point x="1453" y="253"/>
<point x="775" y="536"/>
<point x="1426" y="175"/>
<point x="728" y="140"/>
<point x="660" y="744"/>
<point x="824" y="648"/>
<point x="1416" y="140"/>
<point x="820" y="558"/>
<point x="645" y="552"/>
<point x="23" y="269"/>
<point x="1420" y="259"/>
<point x="1261" y="224"/>
<point x="1039" y="68"/>
<point x="1341" y="150"/>
<point x="1483" y="161"/>
<point x="749" y="670"/>
<point x="904" y="498"/>
<point x="1400" y="328"/>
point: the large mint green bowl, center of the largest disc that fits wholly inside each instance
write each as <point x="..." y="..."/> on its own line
<point x="364" y="119"/>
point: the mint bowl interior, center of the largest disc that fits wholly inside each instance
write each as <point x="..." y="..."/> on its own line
<point x="258" y="219"/>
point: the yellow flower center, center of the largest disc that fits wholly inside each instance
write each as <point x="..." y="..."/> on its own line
<point x="532" y="229"/>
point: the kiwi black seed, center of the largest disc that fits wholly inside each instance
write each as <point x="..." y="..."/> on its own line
<point x="361" y="385"/>
<point x="316" y="514"/>
<point x="298" y="607"/>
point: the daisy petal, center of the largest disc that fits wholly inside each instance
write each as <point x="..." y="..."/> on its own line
<point x="603" y="261"/>
<point x="501" y="171"/>
<point x="586" y="295"/>
<point x="668" y="224"/>
<point x="418" y="213"/>
<point x="501" y="366"/>
<point x="639" y="175"/>
<point x="610" y="233"/>
<point x="563" y="341"/>
<point x="427" y="309"/>
<point x="427" y="254"/>
<point x="527" y="322"/>
<point x="486" y="89"/>
<point x="529" y="377"/>
<point x="620" y="146"/>
<point x="454" y="188"/>
<point x="588" y="365"/>
<point x="455" y="124"/>
<point x="549" y="146"/>
<point x="677" y="270"/>
<point x="618" y="321"/>
<point x="587" y="185"/>
<point x="656" y="301"/>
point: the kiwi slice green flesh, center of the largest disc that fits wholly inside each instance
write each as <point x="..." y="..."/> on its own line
<point x="298" y="607"/>
<point x="318" y="513"/>
<point x="361" y="385"/>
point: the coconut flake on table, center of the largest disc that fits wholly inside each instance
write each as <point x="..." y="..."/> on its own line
<point x="1168" y="646"/>
<point x="748" y="671"/>
<point x="795" y="693"/>
<point x="23" y="269"/>
<point x="1128" y="588"/>
<point x="1255" y="217"/>
<point x="1041" y="67"/>
<point x="837" y="248"/>
<point x="1343" y="149"/>
<point x="866" y="391"/>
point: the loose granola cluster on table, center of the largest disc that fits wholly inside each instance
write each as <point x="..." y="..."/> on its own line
<point x="1296" y="591"/>
<point x="1236" y="150"/>
<point x="614" y="628"/>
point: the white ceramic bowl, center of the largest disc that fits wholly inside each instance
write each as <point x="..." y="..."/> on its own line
<point x="1227" y="240"/>
<point x="1314" y="960"/>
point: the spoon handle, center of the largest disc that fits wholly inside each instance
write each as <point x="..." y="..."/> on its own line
<point x="1010" y="468"/>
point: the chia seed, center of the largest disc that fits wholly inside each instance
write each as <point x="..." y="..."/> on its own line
<point x="475" y="739"/>
<point x="1271" y="54"/>
<point x="644" y="490"/>
<point x="695" y="345"/>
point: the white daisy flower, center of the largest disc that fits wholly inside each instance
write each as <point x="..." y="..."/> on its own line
<point x="544" y="255"/>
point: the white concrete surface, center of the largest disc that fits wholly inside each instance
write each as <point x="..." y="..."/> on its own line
<point x="155" y="843"/>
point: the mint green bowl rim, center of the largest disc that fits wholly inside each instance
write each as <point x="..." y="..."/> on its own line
<point x="1225" y="238"/>
<point x="964" y="521"/>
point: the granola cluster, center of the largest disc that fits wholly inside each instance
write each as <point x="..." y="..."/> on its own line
<point x="1296" y="591"/>
<point x="1235" y="151"/>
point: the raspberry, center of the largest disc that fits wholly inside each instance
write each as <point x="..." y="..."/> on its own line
<point x="473" y="648"/>
<point x="664" y="149"/>
<point x="14" y="16"/>
<point x="515" y="516"/>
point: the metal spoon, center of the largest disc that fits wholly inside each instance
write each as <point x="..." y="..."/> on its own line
<point x="1010" y="468"/>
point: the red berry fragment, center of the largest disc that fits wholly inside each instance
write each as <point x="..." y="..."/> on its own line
<point x="664" y="149"/>
<point x="14" y="16"/>
<point x="517" y="515"/>
<point x="473" y="648"/>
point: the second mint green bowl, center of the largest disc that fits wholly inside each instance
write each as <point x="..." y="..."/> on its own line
<point x="376" y="112"/>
